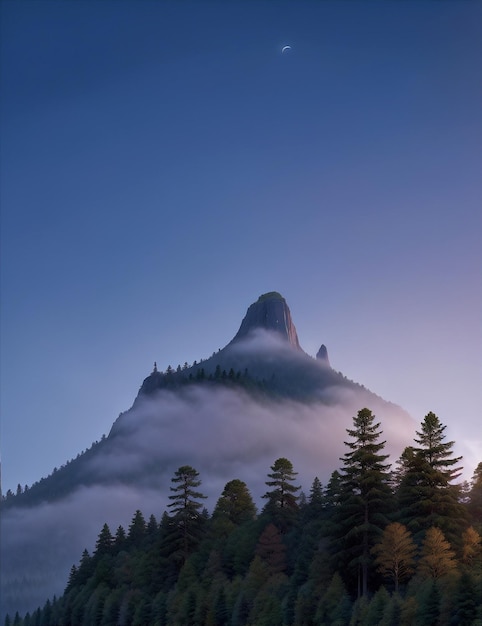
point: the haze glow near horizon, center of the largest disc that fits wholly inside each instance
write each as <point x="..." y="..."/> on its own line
<point x="158" y="175"/>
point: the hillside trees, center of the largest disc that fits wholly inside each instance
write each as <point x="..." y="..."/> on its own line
<point x="365" y="498"/>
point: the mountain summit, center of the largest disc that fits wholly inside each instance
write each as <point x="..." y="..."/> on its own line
<point x="269" y="312"/>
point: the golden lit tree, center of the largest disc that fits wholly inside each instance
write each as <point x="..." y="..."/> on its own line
<point x="437" y="558"/>
<point x="395" y="553"/>
<point x="471" y="545"/>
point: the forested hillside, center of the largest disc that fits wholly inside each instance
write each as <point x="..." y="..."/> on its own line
<point x="376" y="545"/>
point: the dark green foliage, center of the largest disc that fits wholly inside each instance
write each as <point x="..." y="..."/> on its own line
<point x="334" y="606"/>
<point x="465" y="601"/>
<point x="430" y="603"/>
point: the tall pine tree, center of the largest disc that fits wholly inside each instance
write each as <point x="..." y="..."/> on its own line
<point x="365" y="499"/>
<point x="426" y="494"/>
<point x="186" y="511"/>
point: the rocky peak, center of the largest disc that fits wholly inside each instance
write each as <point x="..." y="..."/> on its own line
<point x="322" y="355"/>
<point x="269" y="312"/>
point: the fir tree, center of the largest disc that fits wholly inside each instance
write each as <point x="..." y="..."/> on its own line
<point x="137" y="530"/>
<point x="426" y="496"/>
<point x="104" y="542"/>
<point x="365" y="498"/>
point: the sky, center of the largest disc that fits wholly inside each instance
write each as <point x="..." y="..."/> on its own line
<point x="164" y="163"/>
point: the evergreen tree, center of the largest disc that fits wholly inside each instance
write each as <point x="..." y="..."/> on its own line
<point x="316" y="500"/>
<point x="104" y="542"/>
<point x="282" y="504"/>
<point x="377" y="607"/>
<point x="235" y="504"/>
<point x="334" y="607"/>
<point x="120" y="538"/>
<point x="426" y="496"/>
<point x="137" y="530"/>
<point x="186" y="515"/>
<point x="429" y="607"/>
<point x="466" y="600"/>
<point x="365" y="498"/>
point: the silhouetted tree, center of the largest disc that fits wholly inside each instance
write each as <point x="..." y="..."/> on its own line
<point x="186" y="516"/>
<point x="365" y="498"/>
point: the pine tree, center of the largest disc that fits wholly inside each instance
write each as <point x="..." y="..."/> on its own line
<point x="429" y="607"/>
<point x="186" y="516"/>
<point x="426" y="496"/>
<point x="466" y="600"/>
<point x="282" y="504"/>
<point x="316" y="500"/>
<point x="365" y="498"/>
<point x="104" y="542"/>
<point x="334" y="606"/>
<point x="235" y="504"/>
<point x="137" y="530"/>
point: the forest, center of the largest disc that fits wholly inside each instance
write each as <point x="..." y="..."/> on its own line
<point x="375" y="545"/>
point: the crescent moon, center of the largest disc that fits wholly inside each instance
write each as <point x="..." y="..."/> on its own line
<point x="284" y="48"/>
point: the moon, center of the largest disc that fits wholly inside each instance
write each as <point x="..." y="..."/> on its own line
<point x="285" y="48"/>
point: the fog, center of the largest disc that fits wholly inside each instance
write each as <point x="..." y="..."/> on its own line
<point x="224" y="433"/>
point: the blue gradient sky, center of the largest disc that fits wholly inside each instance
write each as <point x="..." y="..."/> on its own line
<point x="163" y="164"/>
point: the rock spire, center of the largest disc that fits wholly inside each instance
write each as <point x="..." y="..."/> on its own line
<point x="269" y="312"/>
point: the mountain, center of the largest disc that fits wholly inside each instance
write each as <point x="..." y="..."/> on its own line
<point x="230" y="416"/>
